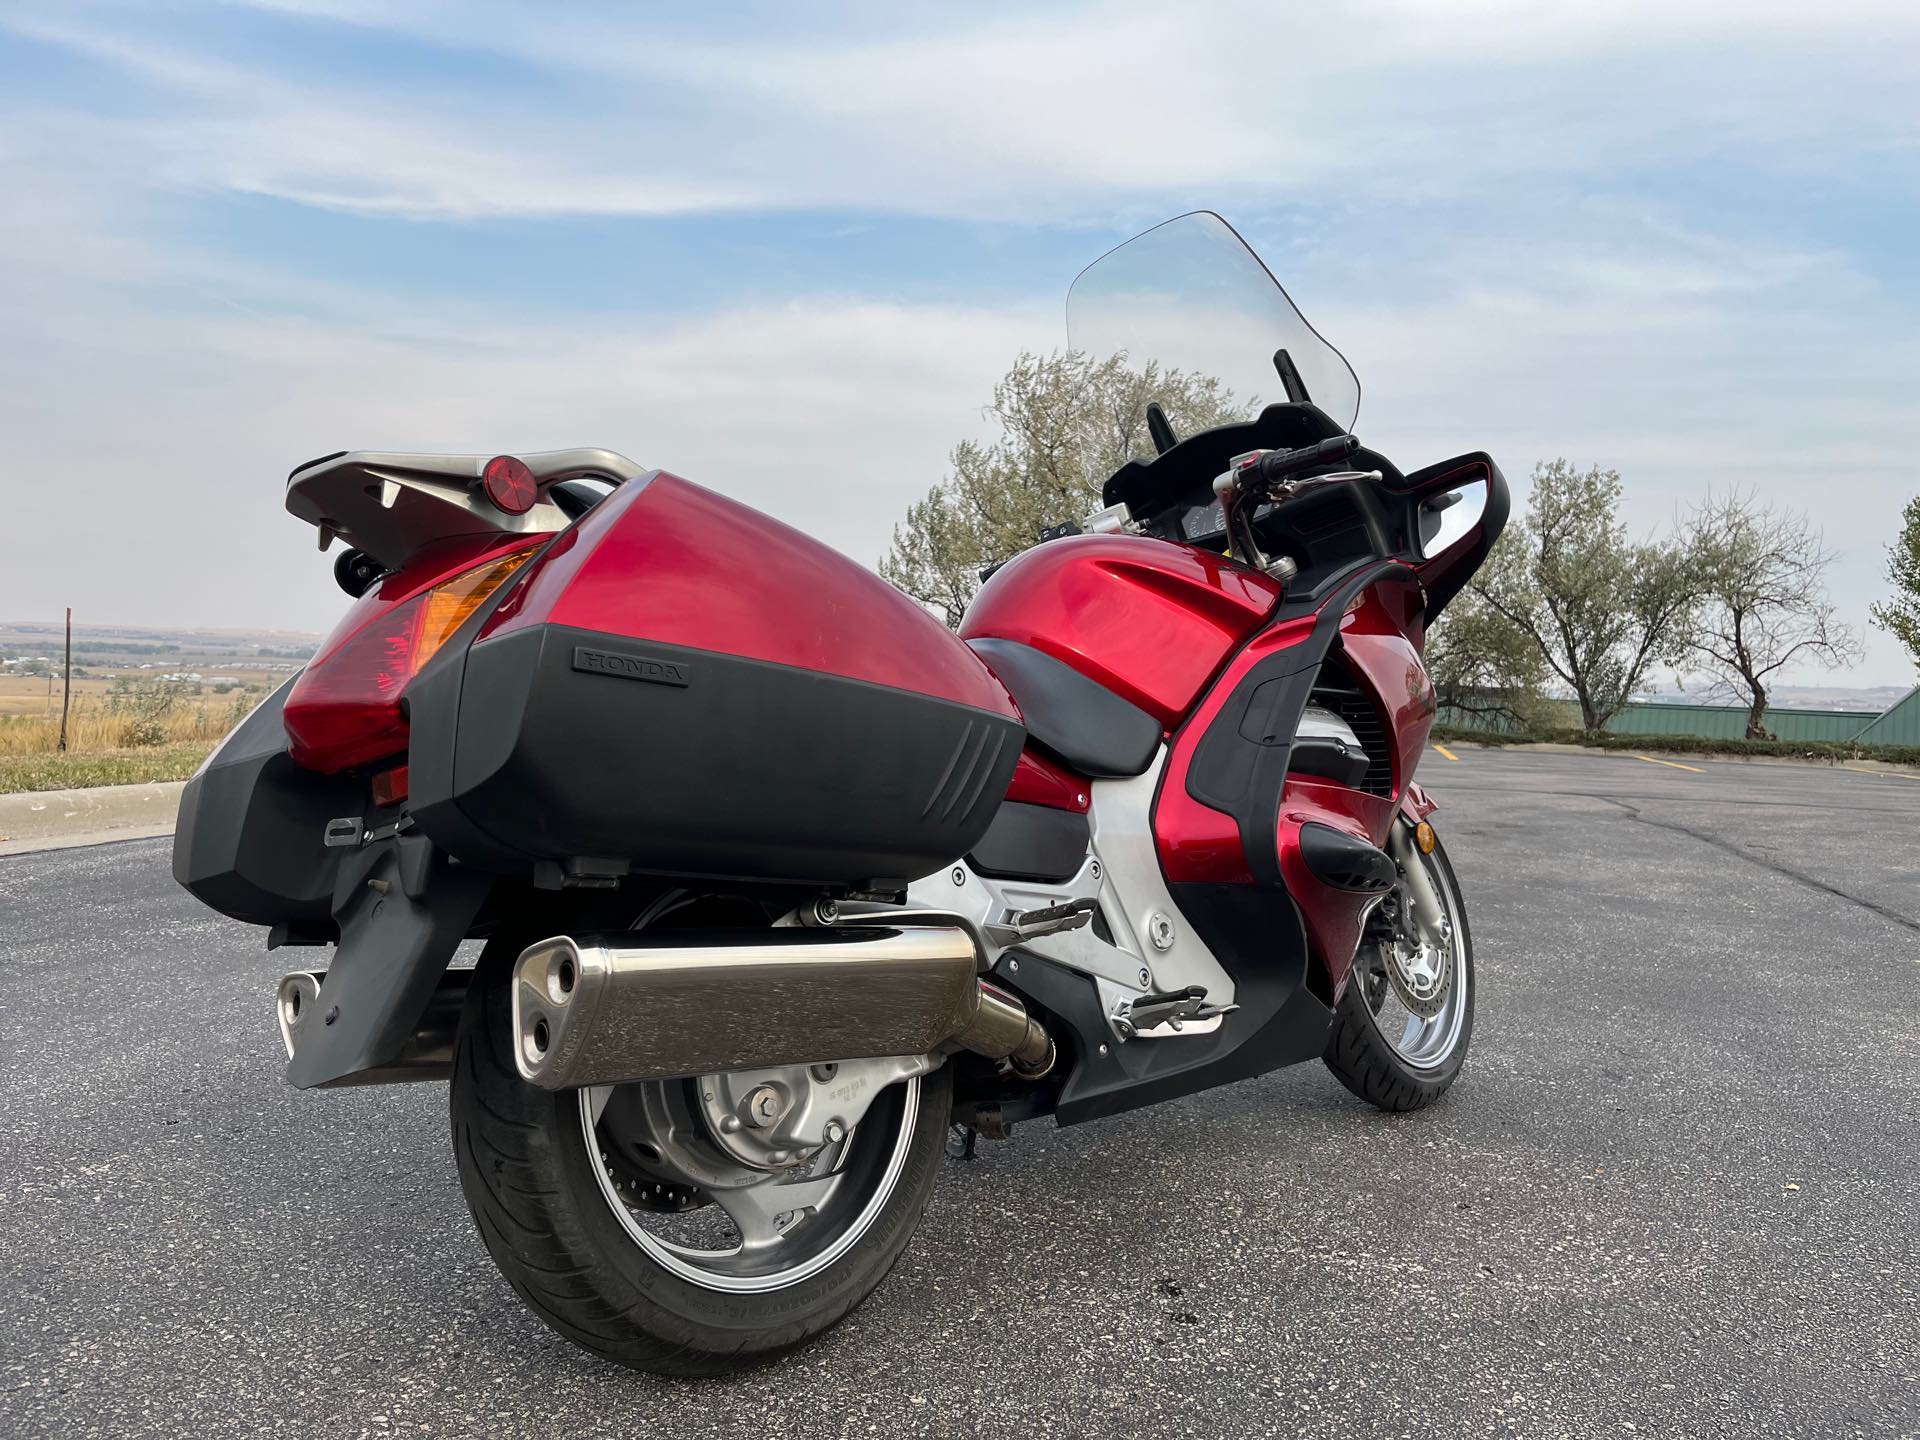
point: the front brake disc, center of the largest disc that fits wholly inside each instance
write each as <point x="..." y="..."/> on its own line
<point x="1424" y="998"/>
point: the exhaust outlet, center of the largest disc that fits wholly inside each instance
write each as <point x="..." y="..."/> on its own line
<point x="609" y="1010"/>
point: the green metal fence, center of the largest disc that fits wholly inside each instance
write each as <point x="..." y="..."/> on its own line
<point x="1729" y="722"/>
<point x="1897" y="726"/>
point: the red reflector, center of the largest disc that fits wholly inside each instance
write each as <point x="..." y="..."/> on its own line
<point x="390" y="786"/>
<point x="510" y="484"/>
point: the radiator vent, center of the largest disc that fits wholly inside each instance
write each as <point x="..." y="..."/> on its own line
<point x="1338" y="690"/>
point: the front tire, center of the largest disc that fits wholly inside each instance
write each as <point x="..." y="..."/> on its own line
<point x="1393" y="1056"/>
<point x="545" y="1210"/>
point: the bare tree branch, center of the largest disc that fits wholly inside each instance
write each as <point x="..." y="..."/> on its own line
<point x="1763" y="574"/>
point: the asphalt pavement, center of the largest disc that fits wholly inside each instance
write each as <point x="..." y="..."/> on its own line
<point x="1675" y="1192"/>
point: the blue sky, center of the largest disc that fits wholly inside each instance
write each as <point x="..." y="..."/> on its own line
<point x="788" y="255"/>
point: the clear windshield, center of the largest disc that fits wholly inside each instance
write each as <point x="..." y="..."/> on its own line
<point x="1189" y="300"/>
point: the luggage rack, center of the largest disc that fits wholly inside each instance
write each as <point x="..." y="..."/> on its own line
<point x="389" y="505"/>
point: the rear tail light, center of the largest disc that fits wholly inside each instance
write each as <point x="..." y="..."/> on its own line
<point x="344" y="710"/>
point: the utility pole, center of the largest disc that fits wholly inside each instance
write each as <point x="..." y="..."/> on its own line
<point x="66" y="685"/>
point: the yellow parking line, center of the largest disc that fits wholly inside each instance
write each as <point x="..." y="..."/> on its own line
<point x="1671" y="764"/>
<point x="1446" y="752"/>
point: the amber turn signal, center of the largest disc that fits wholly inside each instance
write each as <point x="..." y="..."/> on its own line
<point x="1424" y="837"/>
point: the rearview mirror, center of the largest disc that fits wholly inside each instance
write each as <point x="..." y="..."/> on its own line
<point x="1444" y="518"/>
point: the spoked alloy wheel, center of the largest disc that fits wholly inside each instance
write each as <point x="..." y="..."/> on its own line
<point x="691" y="1227"/>
<point x="1415" y="986"/>
<point x="732" y="1205"/>
<point x="1404" y="1022"/>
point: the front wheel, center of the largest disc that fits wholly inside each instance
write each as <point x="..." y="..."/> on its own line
<point x="1401" y="1030"/>
<point x="689" y="1227"/>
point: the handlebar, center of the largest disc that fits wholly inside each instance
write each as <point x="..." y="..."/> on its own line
<point x="1274" y="465"/>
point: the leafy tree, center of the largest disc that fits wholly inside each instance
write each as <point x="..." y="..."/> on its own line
<point x="1764" y="601"/>
<point x="1900" y="616"/>
<point x="1067" y="422"/>
<point x="1484" y="667"/>
<point x="1601" y="609"/>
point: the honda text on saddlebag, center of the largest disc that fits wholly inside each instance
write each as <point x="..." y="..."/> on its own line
<point x="778" y="877"/>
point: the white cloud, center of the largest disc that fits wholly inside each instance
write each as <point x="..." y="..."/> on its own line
<point x="148" y="445"/>
<point x="1032" y="115"/>
<point x="1682" y="390"/>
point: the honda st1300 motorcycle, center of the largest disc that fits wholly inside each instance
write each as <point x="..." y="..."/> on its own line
<point x="778" y="877"/>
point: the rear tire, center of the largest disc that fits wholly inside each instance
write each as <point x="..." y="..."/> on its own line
<point x="1359" y="1052"/>
<point x="536" y="1199"/>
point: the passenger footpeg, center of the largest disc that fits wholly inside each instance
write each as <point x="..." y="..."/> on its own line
<point x="1165" y="1012"/>
<point x="1049" y="920"/>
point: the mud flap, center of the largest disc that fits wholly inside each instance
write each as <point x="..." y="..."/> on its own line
<point x="402" y="910"/>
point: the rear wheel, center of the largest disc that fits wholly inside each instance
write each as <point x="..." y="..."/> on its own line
<point x="1401" y="1031"/>
<point x="691" y="1226"/>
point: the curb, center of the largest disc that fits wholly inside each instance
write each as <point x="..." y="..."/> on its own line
<point x="58" y="819"/>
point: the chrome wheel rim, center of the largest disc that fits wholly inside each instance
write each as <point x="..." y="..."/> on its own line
<point x="785" y="1226"/>
<point x="1417" y="994"/>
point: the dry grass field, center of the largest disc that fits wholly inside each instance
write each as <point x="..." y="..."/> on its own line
<point x="140" y="732"/>
<point x="145" y="705"/>
<point x="100" y="721"/>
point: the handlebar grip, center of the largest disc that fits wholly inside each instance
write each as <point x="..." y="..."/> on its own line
<point x="1276" y="463"/>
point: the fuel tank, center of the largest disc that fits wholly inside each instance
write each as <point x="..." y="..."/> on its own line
<point x="682" y="685"/>
<point x="1149" y="619"/>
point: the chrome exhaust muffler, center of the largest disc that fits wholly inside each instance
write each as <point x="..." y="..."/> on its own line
<point x="610" y="1010"/>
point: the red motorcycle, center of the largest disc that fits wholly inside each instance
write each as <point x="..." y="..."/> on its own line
<point x="778" y="878"/>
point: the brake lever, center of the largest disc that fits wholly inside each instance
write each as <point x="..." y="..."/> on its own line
<point x="1261" y="475"/>
<point x="1288" y="489"/>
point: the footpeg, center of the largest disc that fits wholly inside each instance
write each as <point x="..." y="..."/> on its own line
<point x="1171" y="1009"/>
<point x="1022" y="925"/>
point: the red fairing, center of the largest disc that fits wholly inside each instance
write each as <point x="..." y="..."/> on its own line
<point x="1040" y="781"/>
<point x="1149" y="619"/>
<point x="1381" y="634"/>
<point x="668" y="561"/>
<point x="1332" y="917"/>
<point x="1198" y="844"/>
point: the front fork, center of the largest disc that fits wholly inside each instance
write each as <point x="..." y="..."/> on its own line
<point x="1408" y="843"/>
